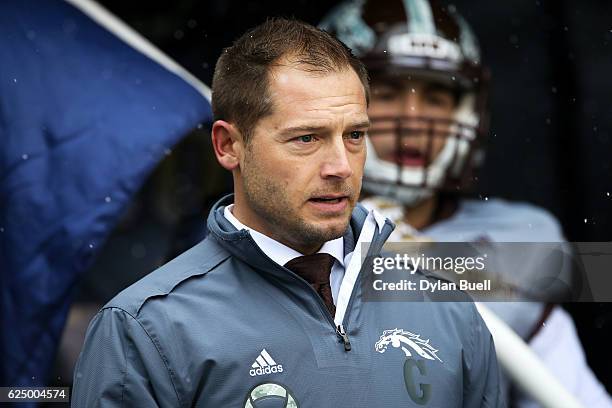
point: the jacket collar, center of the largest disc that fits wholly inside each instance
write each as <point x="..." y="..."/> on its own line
<point x="241" y="245"/>
<point x="223" y="230"/>
<point x="279" y="252"/>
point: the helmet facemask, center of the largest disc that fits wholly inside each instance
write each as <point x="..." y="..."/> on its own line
<point x="423" y="40"/>
<point x="412" y="156"/>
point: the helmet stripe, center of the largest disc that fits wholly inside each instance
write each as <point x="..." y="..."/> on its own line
<point x="420" y="17"/>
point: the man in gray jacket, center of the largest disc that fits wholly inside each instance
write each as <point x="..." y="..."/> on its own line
<point x="269" y="310"/>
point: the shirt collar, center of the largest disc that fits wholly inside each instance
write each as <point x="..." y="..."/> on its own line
<point x="280" y="253"/>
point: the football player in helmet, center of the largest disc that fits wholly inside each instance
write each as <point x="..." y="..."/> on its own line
<point x="428" y="113"/>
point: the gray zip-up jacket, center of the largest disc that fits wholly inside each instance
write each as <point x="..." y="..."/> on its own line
<point x="222" y="325"/>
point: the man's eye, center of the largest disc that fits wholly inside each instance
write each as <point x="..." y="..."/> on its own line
<point x="440" y="100"/>
<point x="385" y="96"/>
<point x="356" y="135"/>
<point x="305" y="138"/>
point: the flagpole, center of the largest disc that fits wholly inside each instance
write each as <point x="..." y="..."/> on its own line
<point x="109" y="21"/>
<point x="524" y="366"/>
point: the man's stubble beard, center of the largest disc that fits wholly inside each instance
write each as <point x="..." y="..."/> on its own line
<point x="269" y="200"/>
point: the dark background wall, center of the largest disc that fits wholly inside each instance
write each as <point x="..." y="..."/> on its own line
<point x="550" y="140"/>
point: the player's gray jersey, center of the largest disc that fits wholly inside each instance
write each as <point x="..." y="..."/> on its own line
<point x="497" y="220"/>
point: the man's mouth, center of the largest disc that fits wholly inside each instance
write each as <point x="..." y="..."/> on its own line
<point x="331" y="199"/>
<point x="410" y="156"/>
<point x="330" y="204"/>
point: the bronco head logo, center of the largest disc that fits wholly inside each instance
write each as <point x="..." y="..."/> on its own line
<point x="399" y="338"/>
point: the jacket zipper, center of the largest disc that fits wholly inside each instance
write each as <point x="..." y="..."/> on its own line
<point x="344" y="337"/>
<point x="340" y="329"/>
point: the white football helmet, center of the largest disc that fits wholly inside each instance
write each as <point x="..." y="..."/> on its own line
<point x="419" y="39"/>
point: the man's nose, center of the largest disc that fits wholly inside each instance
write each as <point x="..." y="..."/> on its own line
<point x="413" y="120"/>
<point x="336" y="162"/>
<point x="411" y="104"/>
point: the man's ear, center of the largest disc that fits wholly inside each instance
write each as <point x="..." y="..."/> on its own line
<point x="227" y="142"/>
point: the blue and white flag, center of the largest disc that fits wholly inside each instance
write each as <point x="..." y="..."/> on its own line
<point x="87" y="109"/>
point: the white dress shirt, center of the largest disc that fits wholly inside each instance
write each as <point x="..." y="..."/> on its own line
<point x="281" y="254"/>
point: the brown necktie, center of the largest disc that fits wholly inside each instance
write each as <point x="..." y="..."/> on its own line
<point x="315" y="269"/>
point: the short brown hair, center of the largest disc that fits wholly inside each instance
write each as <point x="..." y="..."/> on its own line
<point x="240" y="82"/>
